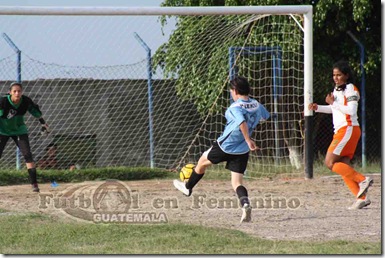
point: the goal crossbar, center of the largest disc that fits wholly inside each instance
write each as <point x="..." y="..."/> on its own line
<point x="109" y="10"/>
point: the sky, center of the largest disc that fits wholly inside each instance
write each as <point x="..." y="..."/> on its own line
<point x="112" y="40"/>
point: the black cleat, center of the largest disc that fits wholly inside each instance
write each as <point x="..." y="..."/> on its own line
<point x="35" y="188"/>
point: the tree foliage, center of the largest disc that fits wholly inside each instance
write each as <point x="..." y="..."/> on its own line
<point x="332" y="20"/>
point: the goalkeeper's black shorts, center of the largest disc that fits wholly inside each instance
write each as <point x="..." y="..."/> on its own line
<point x="22" y="141"/>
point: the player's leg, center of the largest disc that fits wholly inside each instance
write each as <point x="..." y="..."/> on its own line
<point x="196" y="175"/>
<point x="351" y="183"/>
<point x="241" y="191"/>
<point x="338" y="157"/>
<point x="351" y="179"/>
<point x="199" y="170"/>
<point x="340" y="165"/>
<point x="339" y="153"/>
<point x="22" y="141"/>
<point x="239" y="188"/>
<point x="3" y="143"/>
<point x="237" y="165"/>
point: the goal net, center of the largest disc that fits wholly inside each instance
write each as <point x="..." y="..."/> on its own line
<point x="149" y="86"/>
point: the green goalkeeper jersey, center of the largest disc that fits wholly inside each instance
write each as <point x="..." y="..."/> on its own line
<point x="12" y="115"/>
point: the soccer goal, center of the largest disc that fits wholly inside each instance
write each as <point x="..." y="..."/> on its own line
<point x="148" y="86"/>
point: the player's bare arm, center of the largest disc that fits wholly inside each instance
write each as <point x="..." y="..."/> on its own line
<point x="249" y="141"/>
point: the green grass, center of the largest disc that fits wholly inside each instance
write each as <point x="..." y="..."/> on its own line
<point x="40" y="234"/>
<point x="14" y="177"/>
<point x="320" y="169"/>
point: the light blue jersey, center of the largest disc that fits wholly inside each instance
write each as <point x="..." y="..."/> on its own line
<point x="232" y="141"/>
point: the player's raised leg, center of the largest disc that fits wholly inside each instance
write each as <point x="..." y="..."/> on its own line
<point x="196" y="175"/>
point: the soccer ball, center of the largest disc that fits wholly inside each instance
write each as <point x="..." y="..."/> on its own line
<point x="186" y="171"/>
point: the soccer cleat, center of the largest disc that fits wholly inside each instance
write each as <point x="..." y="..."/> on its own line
<point x="364" y="186"/>
<point x="359" y="204"/>
<point x="181" y="186"/>
<point x="246" y="213"/>
<point x="35" y="188"/>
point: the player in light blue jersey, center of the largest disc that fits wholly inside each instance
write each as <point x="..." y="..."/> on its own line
<point x="234" y="145"/>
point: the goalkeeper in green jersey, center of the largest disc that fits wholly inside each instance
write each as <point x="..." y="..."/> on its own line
<point x="13" y="107"/>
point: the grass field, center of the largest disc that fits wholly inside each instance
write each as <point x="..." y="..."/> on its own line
<point x="40" y="234"/>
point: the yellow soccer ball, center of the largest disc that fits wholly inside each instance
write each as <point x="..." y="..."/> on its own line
<point x="186" y="171"/>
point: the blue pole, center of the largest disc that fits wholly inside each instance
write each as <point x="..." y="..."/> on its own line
<point x="275" y="114"/>
<point x="19" y="66"/>
<point x="149" y="95"/>
<point x="18" y="79"/>
<point x="231" y="63"/>
<point x="279" y="70"/>
<point x="363" y="107"/>
<point x="232" y="72"/>
<point x="363" y="98"/>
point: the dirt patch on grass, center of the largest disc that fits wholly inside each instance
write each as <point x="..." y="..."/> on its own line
<point x="295" y="209"/>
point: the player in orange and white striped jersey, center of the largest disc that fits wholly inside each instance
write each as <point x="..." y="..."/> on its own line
<point x="343" y="105"/>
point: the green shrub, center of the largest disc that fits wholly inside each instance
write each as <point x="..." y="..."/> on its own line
<point x="13" y="177"/>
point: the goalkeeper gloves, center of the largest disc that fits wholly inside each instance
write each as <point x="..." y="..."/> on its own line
<point x="44" y="127"/>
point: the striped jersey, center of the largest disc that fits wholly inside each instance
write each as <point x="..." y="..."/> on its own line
<point x="232" y="141"/>
<point x="12" y="115"/>
<point x="344" y="108"/>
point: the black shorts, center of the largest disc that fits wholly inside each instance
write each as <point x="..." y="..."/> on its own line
<point x="235" y="162"/>
<point x="22" y="141"/>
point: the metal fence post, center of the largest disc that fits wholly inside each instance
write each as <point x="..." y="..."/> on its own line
<point x="18" y="79"/>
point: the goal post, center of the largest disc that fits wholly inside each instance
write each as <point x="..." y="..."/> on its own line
<point x="308" y="93"/>
<point x="100" y="114"/>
